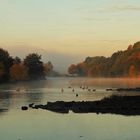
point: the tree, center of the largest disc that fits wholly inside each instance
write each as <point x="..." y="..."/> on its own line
<point x="136" y="45"/>
<point x="19" y="72"/>
<point x="17" y="60"/>
<point x="121" y="63"/>
<point x="82" y="69"/>
<point x="2" y="71"/>
<point x="130" y="47"/>
<point x="132" y="71"/>
<point x="35" y="66"/>
<point x="73" y="69"/>
<point x="48" y="68"/>
<point x="6" y="62"/>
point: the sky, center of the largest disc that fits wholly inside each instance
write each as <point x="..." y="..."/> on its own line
<point x="67" y="31"/>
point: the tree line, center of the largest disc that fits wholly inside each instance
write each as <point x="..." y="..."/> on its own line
<point x="121" y="64"/>
<point x="16" y="69"/>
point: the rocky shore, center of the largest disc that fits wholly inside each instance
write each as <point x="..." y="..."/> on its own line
<point x="124" y="105"/>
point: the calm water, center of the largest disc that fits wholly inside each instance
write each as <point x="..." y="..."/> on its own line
<point x="44" y="125"/>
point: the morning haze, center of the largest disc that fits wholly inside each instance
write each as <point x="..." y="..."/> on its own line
<point x="69" y="69"/>
<point x="67" y="31"/>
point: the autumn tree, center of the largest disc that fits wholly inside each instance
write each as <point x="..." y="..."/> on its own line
<point x="73" y="69"/>
<point x="48" y="68"/>
<point x="136" y="45"/>
<point x="132" y="71"/>
<point x="19" y="72"/>
<point x="120" y="64"/>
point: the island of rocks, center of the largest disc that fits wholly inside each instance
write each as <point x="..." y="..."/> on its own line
<point x="123" y="105"/>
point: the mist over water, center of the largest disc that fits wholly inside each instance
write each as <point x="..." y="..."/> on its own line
<point x="61" y="61"/>
<point x="66" y="32"/>
<point x="41" y="124"/>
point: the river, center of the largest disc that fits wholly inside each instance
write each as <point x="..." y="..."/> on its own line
<point x="16" y="124"/>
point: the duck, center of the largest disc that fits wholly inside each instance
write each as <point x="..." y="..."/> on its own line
<point x="89" y="90"/>
<point x="62" y="90"/>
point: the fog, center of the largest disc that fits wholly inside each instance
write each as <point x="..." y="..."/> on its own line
<point x="60" y="60"/>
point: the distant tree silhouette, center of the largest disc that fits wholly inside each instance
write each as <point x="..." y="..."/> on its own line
<point x="121" y="63"/>
<point x="73" y="69"/>
<point x="48" y="68"/>
<point x="35" y="66"/>
<point x="6" y="61"/>
<point x="130" y="47"/>
<point x="2" y="70"/>
<point x="17" y="60"/>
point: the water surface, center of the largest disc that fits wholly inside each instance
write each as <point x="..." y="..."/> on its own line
<point x="16" y="124"/>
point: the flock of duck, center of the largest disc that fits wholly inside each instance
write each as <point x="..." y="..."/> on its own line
<point x="81" y="87"/>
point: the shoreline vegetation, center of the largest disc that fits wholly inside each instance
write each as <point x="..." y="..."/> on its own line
<point x="30" y="68"/>
<point x="120" y="64"/>
<point x="121" y="105"/>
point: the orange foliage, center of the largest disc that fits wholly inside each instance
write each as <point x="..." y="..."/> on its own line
<point x="132" y="71"/>
<point x="48" y="67"/>
<point x="72" y="69"/>
<point x="82" y="66"/>
<point x="130" y="47"/>
<point x="94" y="71"/>
<point x="19" y="72"/>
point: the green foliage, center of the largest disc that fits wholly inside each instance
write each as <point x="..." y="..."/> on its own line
<point x="2" y="71"/>
<point x="17" y="60"/>
<point x="6" y="62"/>
<point x="35" y="66"/>
<point x="14" y="69"/>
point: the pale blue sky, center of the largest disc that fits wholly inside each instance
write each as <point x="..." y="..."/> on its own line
<point x="74" y="28"/>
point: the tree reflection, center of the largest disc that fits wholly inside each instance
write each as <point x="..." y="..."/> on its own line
<point x="4" y="102"/>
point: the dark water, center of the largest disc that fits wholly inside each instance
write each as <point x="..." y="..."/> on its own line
<point x="44" y="125"/>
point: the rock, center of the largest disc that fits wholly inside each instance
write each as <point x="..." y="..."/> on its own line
<point x="89" y="90"/>
<point x="122" y="105"/>
<point x="31" y="105"/>
<point x="109" y="89"/>
<point x="24" y="108"/>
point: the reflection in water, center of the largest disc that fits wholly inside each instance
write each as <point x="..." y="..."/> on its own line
<point x="34" y="97"/>
<point x="14" y="95"/>
<point x="5" y="102"/>
<point x="45" y="125"/>
<point x="106" y="82"/>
